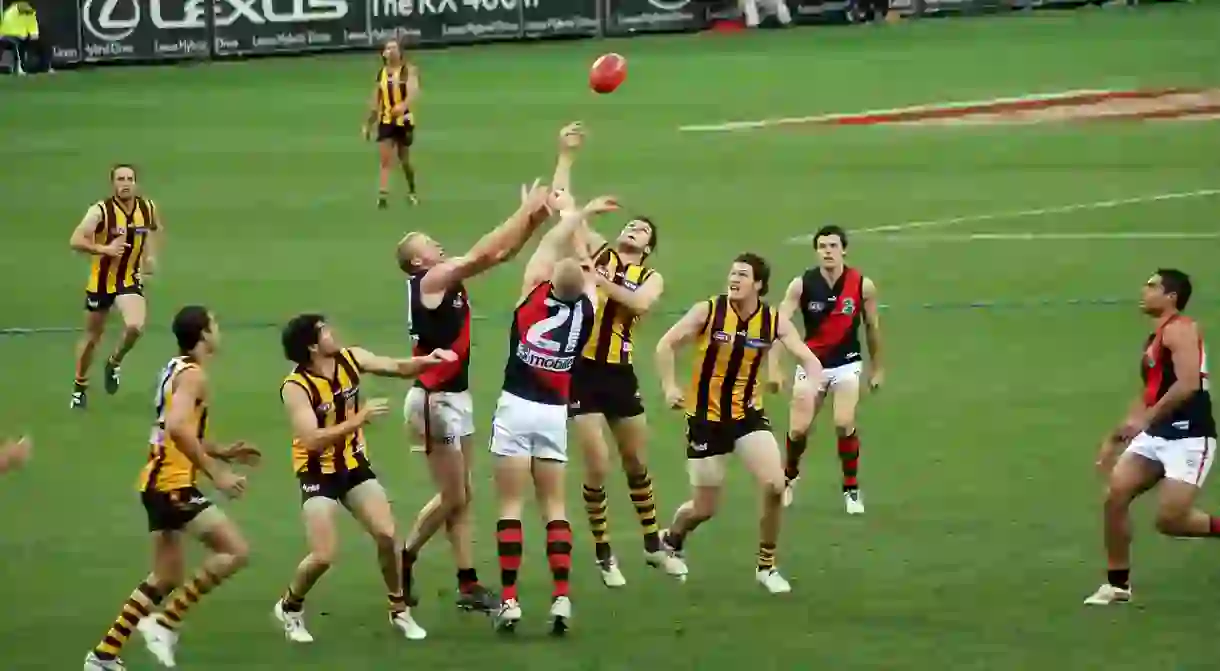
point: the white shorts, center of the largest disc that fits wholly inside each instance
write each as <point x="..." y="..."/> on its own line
<point x="833" y="377"/>
<point x="522" y="428"/>
<point x="1185" y="459"/>
<point x="450" y="417"/>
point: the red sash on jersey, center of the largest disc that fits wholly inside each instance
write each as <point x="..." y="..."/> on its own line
<point x="438" y="375"/>
<point x="843" y="318"/>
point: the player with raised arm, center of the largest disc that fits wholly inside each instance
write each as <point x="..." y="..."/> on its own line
<point x="529" y="429"/>
<point x="178" y="452"/>
<point x="122" y="234"/>
<point x="834" y="300"/>
<point x="322" y="398"/>
<point x="1168" y="438"/>
<point x="734" y="332"/>
<point x="439" y="405"/>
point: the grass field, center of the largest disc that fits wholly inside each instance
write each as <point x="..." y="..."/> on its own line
<point x="981" y="537"/>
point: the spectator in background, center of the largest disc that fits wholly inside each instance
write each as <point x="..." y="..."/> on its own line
<point x="779" y="7"/>
<point x="19" y="34"/>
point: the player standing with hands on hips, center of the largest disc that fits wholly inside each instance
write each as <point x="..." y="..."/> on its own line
<point x="834" y="300"/>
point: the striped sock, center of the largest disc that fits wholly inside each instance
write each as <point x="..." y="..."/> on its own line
<point x="138" y="606"/>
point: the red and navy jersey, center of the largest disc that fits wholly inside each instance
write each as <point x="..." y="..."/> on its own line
<point x="544" y="342"/>
<point x="832" y="315"/>
<point x="1194" y="417"/>
<point x="447" y="326"/>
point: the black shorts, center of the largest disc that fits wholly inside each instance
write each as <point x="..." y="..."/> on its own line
<point x="334" y="486"/>
<point x="102" y="301"/>
<point x="174" y="509"/>
<point x="403" y="136"/>
<point x="606" y="389"/>
<point x="705" y="438"/>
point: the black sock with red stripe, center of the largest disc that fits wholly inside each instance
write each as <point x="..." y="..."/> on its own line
<point x="559" y="554"/>
<point x="510" y="543"/>
<point x="849" y="459"/>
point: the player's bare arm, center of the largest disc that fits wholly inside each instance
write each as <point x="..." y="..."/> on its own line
<point x="872" y="333"/>
<point x="190" y="387"/>
<point x="561" y="241"/>
<point x="491" y="250"/>
<point x="787" y="309"/>
<point x="237" y="452"/>
<point x="639" y="301"/>
<point x="82" y="237"/>
<point x="370" y="119"/>
<point x="155" y="243"/>
<point x="679" y="335"/>
<point x="787" y="336"/>
<point x="571" y="138"/>
<point x="305" y="422"/>
<point x="412" y="82"/>
<point x="409" y="367"/>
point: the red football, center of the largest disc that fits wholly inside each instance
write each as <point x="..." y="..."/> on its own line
<point x="607" y="73"/>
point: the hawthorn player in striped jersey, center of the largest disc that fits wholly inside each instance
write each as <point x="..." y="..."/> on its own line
<point x="122" y="235"/>
<point x="834" y="300"/>
<point x="1168" y="438"/>
<point x="168" y="485"/>
<point x="439" y="406"/>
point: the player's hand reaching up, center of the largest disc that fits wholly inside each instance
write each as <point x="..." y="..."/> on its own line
<point x="375" y="408"/>
<point x="560" y="201"/>
<point x="601" y="205"/>
<point x="571" y="137"/>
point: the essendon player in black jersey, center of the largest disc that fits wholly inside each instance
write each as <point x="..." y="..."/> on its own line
<point x="529" y="431"/>
<point x="1168" y="437"/>
<point x="834" y="299"/>
<point x="439" y="405"/>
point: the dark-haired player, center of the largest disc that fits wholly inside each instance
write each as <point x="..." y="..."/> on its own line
<point x="606" y="392"/>
<point x="439" y="406"/>
<point x="1168" y="438"/>
<point x="178" y="452"/>
<point x="734" y="332"/>
<point x="396" y="91"/>
<point x="322" y="397"/>
<point x="529" y="430"/>
<point x="122" y="235"/>
<point x="834" y="300"/>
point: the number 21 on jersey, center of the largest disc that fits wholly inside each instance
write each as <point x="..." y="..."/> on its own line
<point x="539" y="335"/>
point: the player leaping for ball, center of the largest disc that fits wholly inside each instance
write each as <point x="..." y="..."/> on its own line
<point x="834" y="299"/>
<point x="724" y="415"/>
<point x="1168" y="438"/>
<point x="439" y="407"/>
<point x="529" y="430"/>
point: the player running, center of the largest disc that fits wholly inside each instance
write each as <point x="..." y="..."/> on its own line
<point x="1168" y="437"/>
<point x="529" y="430"/>
<point x="178" y="452"/>
<point x="834" y="299"/>
<point x="122" y="234"/>
<point x="724" y="415"/>
<point x="439" y="406"/>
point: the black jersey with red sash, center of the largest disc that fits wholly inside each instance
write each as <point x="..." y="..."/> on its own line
<point x="1193" y="418"/>
<point x="447" y="326"/>
<point x="546" y="337"/>
<point x="832" y="315"/>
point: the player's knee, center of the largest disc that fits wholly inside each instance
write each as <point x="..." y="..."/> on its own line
<point x="596" y="472"/>
<point x="133" y="330"/>
<point x="633" y="465"/>
<point x="454" y="500"/>
<point x="1172" y="521"/>
<point x="1118" y="498"/>
<point x="704" y="510"/>
<point x="797" y="435"/>
<point x="383" y="538"/>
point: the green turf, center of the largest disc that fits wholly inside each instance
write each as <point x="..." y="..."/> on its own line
<point x="981" y="536"/>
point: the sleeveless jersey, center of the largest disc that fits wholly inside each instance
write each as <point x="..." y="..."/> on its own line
<point x="109" y="275"/>
<point x="445" y="327"/>
<point x="168" y="468"/>
<point x="730" y="352"/>
<point x="334" y="400"/>
<point x="832" y="316"/>
<point x="546" y="336"/>
<point x="393" y="87"/>
<point x="1194" y="417"/>
<point x="610" y="335"/>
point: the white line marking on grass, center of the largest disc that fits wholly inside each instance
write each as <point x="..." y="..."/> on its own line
<point x="822" y="118"/>
<point x="1033" y="237"/>
<point x="1021" y="214"/>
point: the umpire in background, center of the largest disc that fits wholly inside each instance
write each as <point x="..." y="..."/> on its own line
<point x="19" y="34"/>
